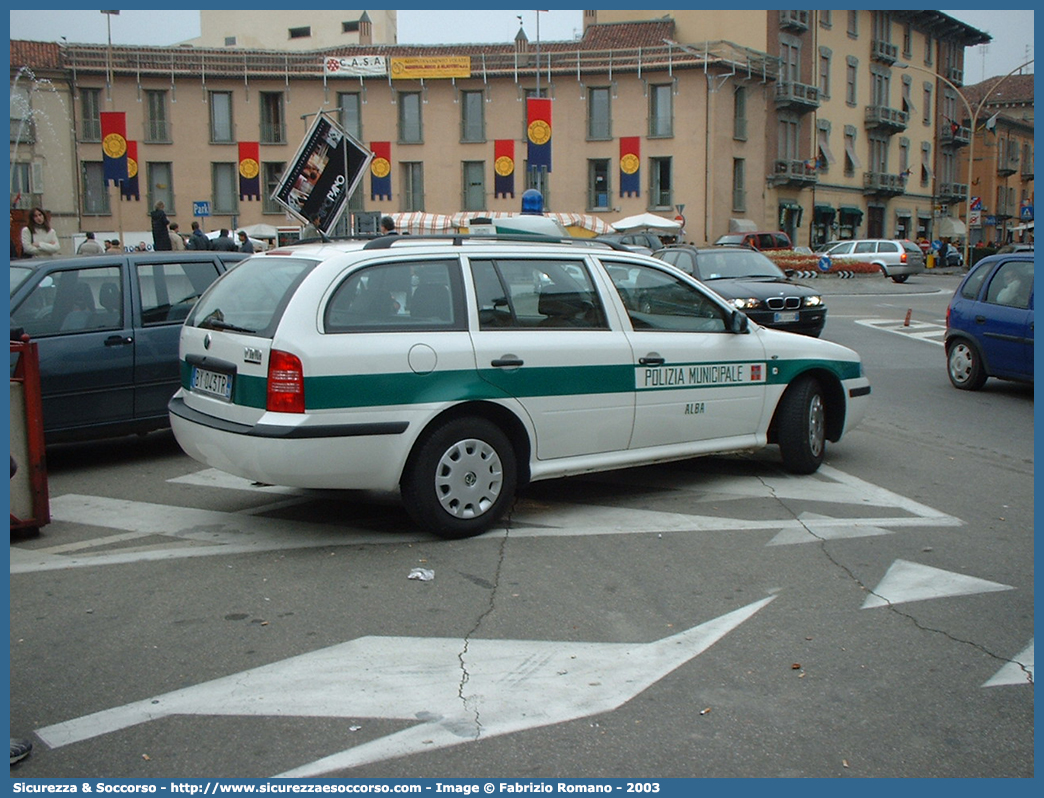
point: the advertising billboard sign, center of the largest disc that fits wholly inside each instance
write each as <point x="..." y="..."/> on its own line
<point x="324" y="173"/>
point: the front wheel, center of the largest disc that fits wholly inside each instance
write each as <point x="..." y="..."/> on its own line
<point x="802" y="427"/>
<point x="964" y="366"/>
<point x="461" y="479"/>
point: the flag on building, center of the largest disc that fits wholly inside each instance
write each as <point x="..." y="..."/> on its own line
<point x="991" y="123"/>
<point x="129" y="187"/>
<point x="538" y="112"/>
<point x="114" y="146"/>
<point x="630" y="166"/>
<point x="249" y="170"/>
<point x="504" y="168"/>
<point x="380" y="170"/>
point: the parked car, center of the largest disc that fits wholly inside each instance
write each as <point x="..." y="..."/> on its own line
<point x="989" y="323"/>
<point x="456" y="370"/>
<point x="644" y="242"/>
<point x="754" y="284"/>
<point x="896" y="258"/>
<point x="1015" y="248"/>
<point x="106" y="328"/>
<point x="762" y="241"/>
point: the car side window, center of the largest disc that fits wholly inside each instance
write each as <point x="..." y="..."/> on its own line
<point x="864" y="247"/>
<point x="168" y="291"/>
<point x="841" y="249"/>
<point x="887" y="246"/>
<point x="972" y="286"/>
<point x="73" y="301"/>
<point x="536" y="294"/>
<point x="656" y="300"/>
<point x="1012" y="285"/>
<point x="781" y="242"/>
<point x="410" y="295"/>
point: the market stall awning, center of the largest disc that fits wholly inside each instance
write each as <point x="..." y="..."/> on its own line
<point x="742" y="226"/>
<point x="948" y="227"/>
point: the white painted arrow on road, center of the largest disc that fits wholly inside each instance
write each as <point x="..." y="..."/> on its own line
<point x="459" y="691"/>
<point x="910" y="581"/>
<point x="1018" y="671"/>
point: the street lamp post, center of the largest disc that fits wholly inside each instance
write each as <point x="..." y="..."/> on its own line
<point x="108" y="53"/>
<point x="973" y="116"/>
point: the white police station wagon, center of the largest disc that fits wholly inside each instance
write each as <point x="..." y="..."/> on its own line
<point x="458" y="369"/>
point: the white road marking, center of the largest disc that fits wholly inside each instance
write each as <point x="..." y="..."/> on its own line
<point x="1018" y="671"/>
<point x="909" y="581"/>
<point x="921" y="330"/>
<point x="459" y="691"/>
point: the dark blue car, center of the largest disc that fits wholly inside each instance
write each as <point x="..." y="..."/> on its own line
<point x="106" y="327"/>
<point x="989" y="324"/>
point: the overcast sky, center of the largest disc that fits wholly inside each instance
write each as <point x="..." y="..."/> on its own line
<point x="1012" y="31"/>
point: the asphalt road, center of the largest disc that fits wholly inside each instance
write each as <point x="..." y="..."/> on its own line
<point x="713" y="618"/>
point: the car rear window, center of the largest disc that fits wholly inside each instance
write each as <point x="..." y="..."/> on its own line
<point x="251" y="297"/>
<point x="912" y="248"/>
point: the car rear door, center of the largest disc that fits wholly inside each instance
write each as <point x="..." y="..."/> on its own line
<point x="79" y="318"/>
<point x="165" y="288"/>
<point x="543" y="338"/>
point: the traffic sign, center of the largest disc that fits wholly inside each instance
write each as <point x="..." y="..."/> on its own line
<point x="201" y="208"/>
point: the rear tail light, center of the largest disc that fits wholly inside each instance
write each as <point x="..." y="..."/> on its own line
<point x="902" y="258"/>
<point x="285" y="383"/>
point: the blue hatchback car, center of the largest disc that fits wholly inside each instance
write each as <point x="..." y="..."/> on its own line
<point x="989" y="323"/>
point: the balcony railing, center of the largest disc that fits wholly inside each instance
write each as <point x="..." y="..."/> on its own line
<point x="799" y="96"/>
<point x="273" y="133"/>
<point x="793" y="172"/>
<point x="950" y="137"/>
<point x="884" y="118"/>
<point x="954" y="75"/>
<point x="1027" y="170"/>
<point x="793" y="20"/>
<point x="883" y="183"/>
<point x="950" y="193"/>
<point x="883" y="51"/>
<point x="1008" y="165"/>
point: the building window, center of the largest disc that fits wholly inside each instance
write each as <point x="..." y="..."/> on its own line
<point x="926" y="120"/>
<point x="853" y="24"/>
<point x="598" y="188"/>
<point x="350" y="105"/>
<point x="880" y="85"/>
<point x="739" y="184"/>
<point x="824" y="72"/>
<point x="825" y="19"/>
<point x="300" y="33"/>
<point x="540" y="179"/>
<point x="161" y="185"/>
<point x="474" y="188"/>
<point x="789" y="59"/>
<point x="739" y="113"/>
<point x="223" y="188"/>
<point x="273" y="119"/>
<point x="904" y="157"/>
<point x="271" y="171"/>
<point x="350" y="27"/>
<point x="230" y="41"/>
<point x="661" y="111"/>
<point x="926" y="163"/>
<point x="928" y="46"/>
<point x="599" y="113"/>
<point x="907" y="41"/>
<point x="95" y="192"/>
<point x="221" y="131"/>
<point x="472" y="116"/>
<point x="878" y="154"/>
<point x="410" y="128"/>
<point x="824" y="155"/>
<point x="412" y="186"/>
<point x="852" y="162"/>
<point x="851" y="68"/>
<point x="156" y="126"/>
<point x="90" y="109"/>
<point x="660" y="195"/>
<point x="789" y="137"/>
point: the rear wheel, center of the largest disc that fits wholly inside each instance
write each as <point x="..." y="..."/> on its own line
<point x="964" y="366"/>
<point x="899" y="278"/>
<point x="802" y="427"/>
<point x="461" y="479"/>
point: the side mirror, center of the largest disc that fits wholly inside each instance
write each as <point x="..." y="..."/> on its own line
<point x="738" y="323"/>
<point x="789" y="272"/>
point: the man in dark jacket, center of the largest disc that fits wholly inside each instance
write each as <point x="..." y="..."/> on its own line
<point x="198" y="241"/>
<point x="160" y="228"/>
<point x="224" y="242"/>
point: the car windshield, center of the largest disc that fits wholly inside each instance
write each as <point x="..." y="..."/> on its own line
<point x="251" y="297"/>
<point x="733" y="264"/>
<point x="19" y="275"/>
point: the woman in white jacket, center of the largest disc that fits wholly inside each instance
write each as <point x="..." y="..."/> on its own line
<point x="38" y="239"/>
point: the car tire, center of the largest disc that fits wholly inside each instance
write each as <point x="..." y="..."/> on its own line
<point x="964" y="365"/>
<point x="899" y="278"/>
<point x="802" y="427"/>
<point x="461" y="479"/>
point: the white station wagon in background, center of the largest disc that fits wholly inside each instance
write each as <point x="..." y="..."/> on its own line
<point x="458" y="369"/>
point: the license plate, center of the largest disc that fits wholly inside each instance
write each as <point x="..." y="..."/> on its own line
<point x="785" y="316"/>
<point x="212" y="383"/>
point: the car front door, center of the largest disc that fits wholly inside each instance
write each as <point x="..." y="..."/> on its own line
<point x="694" y="380"/>
<point x="80" y="321"/>
<point x="544" y="339"/>
<point x="1004" y="320"/>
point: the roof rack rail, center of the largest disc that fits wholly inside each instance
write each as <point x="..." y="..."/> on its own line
<point x="387" y="241"/>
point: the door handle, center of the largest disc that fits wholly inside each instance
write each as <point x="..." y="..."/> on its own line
<point x="651" y="359"/>
<point x="980" y="319"/>
<point x="507" y="362"/>
<point x="118" y="340"/>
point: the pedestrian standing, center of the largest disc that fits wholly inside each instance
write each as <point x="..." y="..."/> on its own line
<point x="244" y="243"/>
<point x="176" y="241"/>
<point x="90" y="246"/>
<point x="38" y="239"/>
<point x="160" y="228"/>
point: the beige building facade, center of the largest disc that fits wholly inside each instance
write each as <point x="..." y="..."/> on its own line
<point x="824" y="124"/>
<point x="295" y="30"/>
